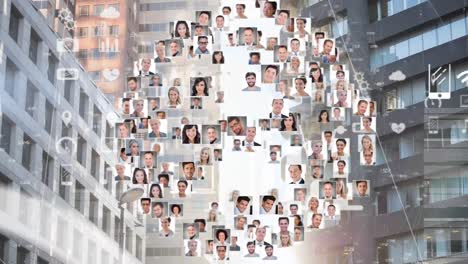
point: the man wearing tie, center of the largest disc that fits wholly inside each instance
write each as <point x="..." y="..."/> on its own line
<point x="277" y="105"/>
<point x="249" y="138"/>
<point x="295" y="45"/>
<point x="249" y="39"/>
<point x="260" y="237"/>
<point x="295" y="172"/>
<point x="219" y="24"/>
<point x="196" y="104"/>
<point x="145" y="66"/>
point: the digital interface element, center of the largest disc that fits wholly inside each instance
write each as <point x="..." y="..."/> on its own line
<point x="440" y="82"/>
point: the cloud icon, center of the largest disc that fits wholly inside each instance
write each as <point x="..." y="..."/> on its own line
<point x="397" y="76"/>
<point x="110" y="12"/>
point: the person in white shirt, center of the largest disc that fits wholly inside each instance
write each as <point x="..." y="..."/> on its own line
<point x="219" y="23"/>
<point x="295" y="45"/>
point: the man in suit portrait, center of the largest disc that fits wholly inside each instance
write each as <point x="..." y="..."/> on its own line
<point x="250" y="137"/>
<point x="145" y="67"/>
<point x="295" y="172"/>
<point x="277" y="105"/>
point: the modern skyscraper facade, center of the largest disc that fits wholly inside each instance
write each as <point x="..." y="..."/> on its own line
<point x="58" y="202"/>
<point x="414" y="213"/>
<point x="301" y="131"/>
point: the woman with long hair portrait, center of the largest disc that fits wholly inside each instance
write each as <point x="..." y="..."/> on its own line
<point x="200" y="87"/>
<point x="190" y="134"/>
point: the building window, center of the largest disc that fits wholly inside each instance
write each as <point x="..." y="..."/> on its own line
<point x="79" y="197"/>
<point x="96" y="54"/>
<point x="82" y="54"/>
<point x="99" y="31"/>
<point x="146" y="48"/>
<point x="28" y="152"/>
<point x="53" y="63"/>
<point x="15" y="20"/>
<point x="32" y="95"/>
<point x="106" y="218"/>
<point x="95" y="75"/>
<point x="3" y="246"/>
<point x="84" y="102"/>
<point x="97" y="120"/>
<point x="448" y="184"/>
<point x="68" y="89"/>
<point x="34" y="43"/>
<point x="108" y="172"/>
<point x="114" y="6"/>
<point x="112" y="54"/>
<point x="458" y="132"/>
<point x="7" y="134"/>
<point x="339" y="27"/>
<point x="95" y="164"/>
<point x="174" y="5"/>
<point x="390" y="148"/>
<point x="83" y="10"/>
<point x="41" y="261"/>
<point x="379" y="9"/>
<point x="139" y="247"/>
<point x="402" y="249"/>
<point x="47" y="169"/>
<point x="425" y="39"/>
<point x="98" y="9"/>
<point x="10" y="76"/>
<point x="49" y="117"/>
<point x="117" y="228"/>
<point x="81" y="150"/>
<point x="114" y="30"/>
<point x="93" y="209"/>
<point x="22" y="255"/>
<point x="82" y="32"/>
<point x="129" y="239"/>
<point x="411" y="142"/>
